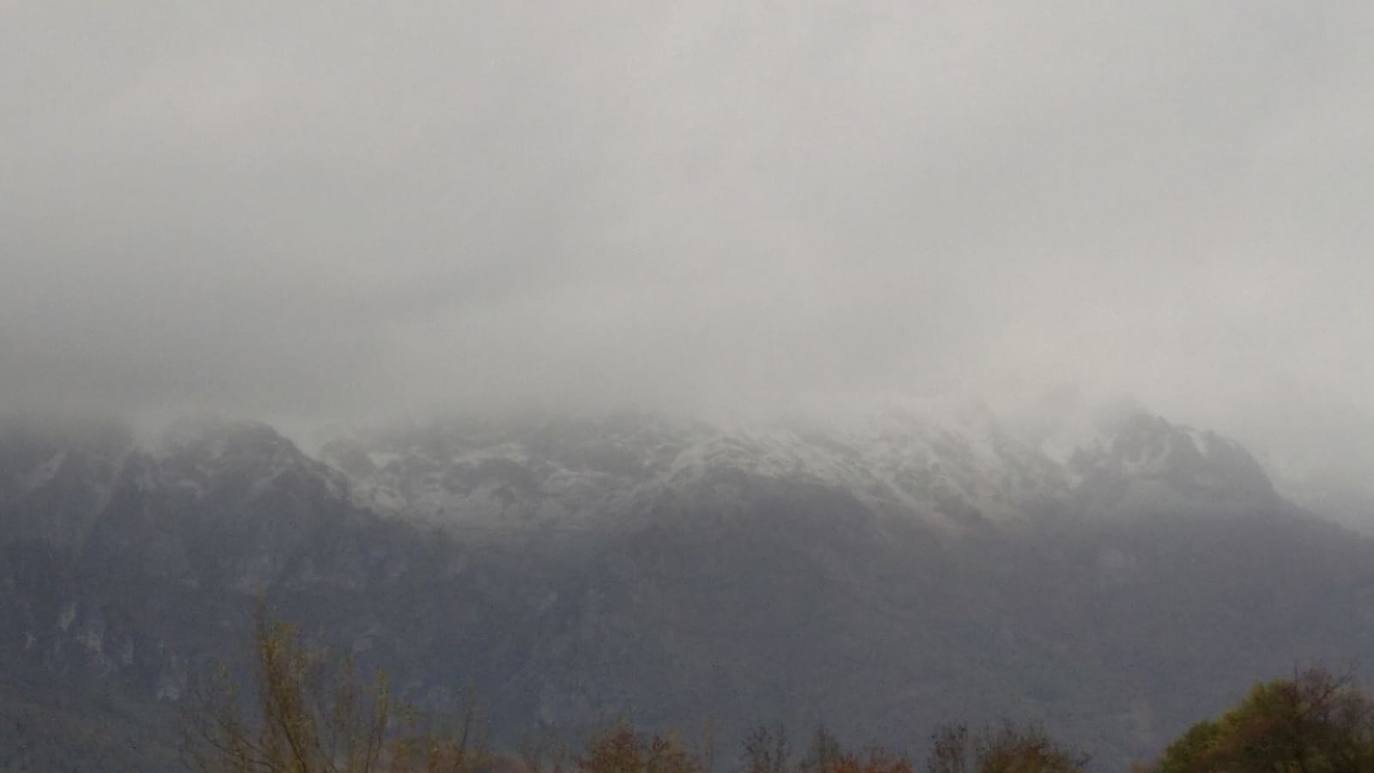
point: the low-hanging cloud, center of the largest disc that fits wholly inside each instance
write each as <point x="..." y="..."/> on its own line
<point x="335" y="210"/>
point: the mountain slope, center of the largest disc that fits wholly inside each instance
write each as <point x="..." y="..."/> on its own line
<point x="882" y="576"/>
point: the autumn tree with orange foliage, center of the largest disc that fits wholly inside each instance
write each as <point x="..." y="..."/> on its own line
<point x="873" y="761"/>
<point x="622" y="750"/>
<point x="1006" y="748"/>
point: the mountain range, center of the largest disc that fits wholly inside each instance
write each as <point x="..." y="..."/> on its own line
<point x="881" y="573"/>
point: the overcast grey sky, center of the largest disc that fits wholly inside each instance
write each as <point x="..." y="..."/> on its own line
<point x="332" y="210"/>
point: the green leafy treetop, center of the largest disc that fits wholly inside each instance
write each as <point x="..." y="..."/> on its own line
<point x="1313" y="723"/>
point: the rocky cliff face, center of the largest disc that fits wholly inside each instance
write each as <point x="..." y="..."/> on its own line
<point x="1144" y="464"/>
<point x="882" y="575"/>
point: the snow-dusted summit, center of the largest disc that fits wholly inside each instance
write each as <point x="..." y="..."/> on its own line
<point x="951" y="470"/>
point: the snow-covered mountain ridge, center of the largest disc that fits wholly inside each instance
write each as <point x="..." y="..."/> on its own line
<point x="952" y="471"/>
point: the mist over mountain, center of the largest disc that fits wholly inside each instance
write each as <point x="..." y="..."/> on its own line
<point x="318" y="215"/>
<point x="878" y="574"/>
<point x="884" y="364"/>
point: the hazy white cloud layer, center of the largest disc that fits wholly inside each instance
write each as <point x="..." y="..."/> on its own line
<point x="334" y="210"/>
